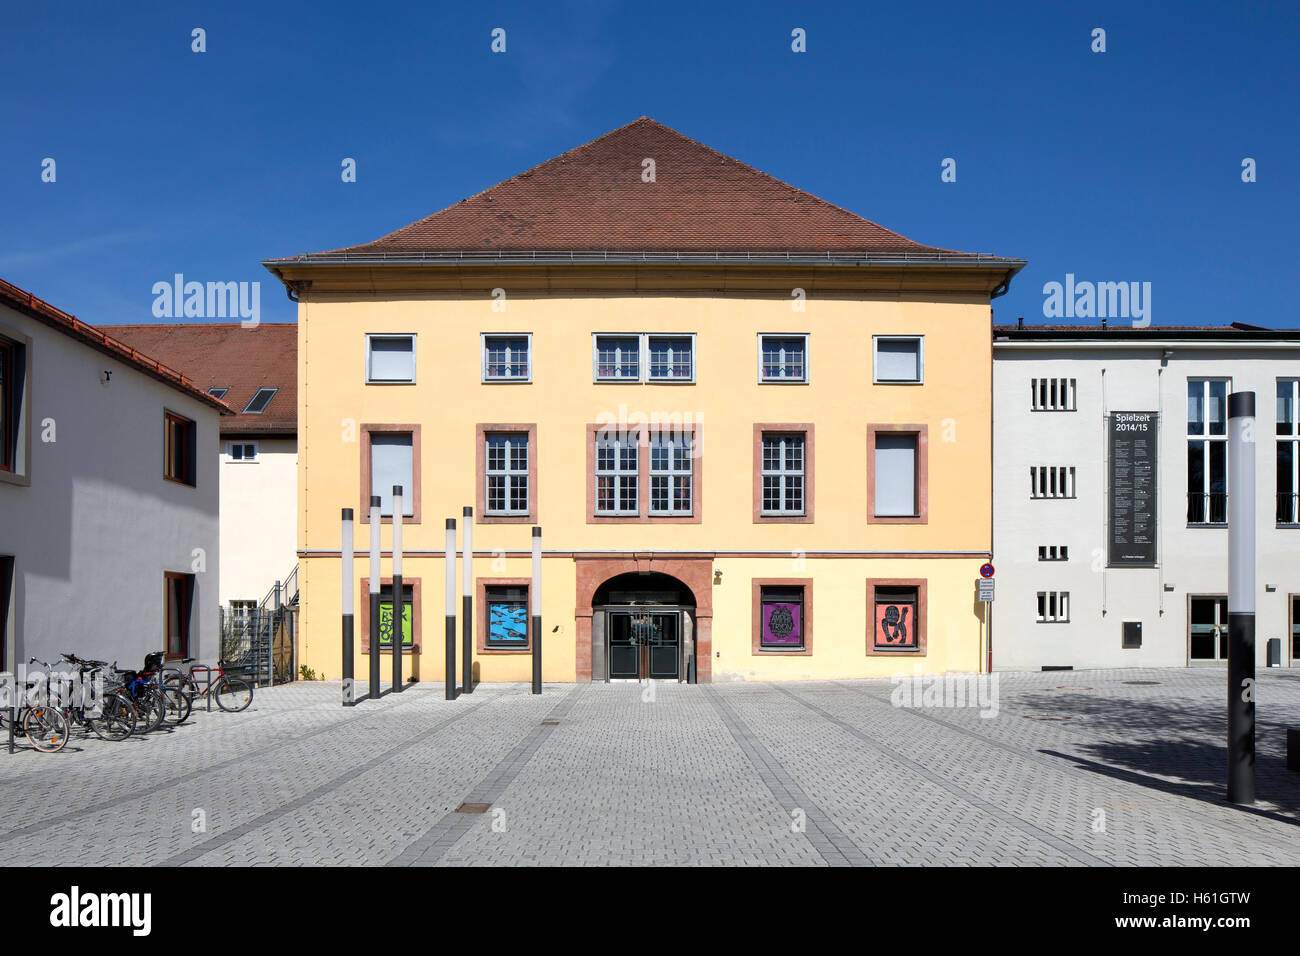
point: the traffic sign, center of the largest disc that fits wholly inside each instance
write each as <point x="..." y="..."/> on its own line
<point x="986" y="570"/>
<point x="985" y="587"/>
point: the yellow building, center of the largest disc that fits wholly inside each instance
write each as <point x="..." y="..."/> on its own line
<point x="754" y="428"/>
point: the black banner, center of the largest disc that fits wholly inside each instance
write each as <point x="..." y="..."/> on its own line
<point x="1133" y="438"/>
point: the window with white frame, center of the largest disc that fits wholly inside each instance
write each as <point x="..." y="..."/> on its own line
<point x="783" y="474"/>
<point x="507" y="358"/>
<point x="1053" y="552"/>
<point x="617" y="468"/>
<point x="1051" y="481"/>
<point x="1288" y="451"/>
<point x="898" y="359"/>
<point x="1053" y="607"/>
<point x="392" y="462"/>
<point x="507" y="473"/>
<point x="1207" y="450"/>
<point x="617" y="358"/>
<point x="1053" y="394"/>
<point x="896" y="492"/>
<point x="783" y="358"/>
<point x="671" y="455"/>
<point x="243" y="451"/>
<point x="390" y="359"/>
<point x="671" y="358"/>
<point x="218" y="391"/>
<point x="261" y="398"/>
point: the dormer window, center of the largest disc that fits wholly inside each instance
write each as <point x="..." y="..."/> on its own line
<point x="257" y="404"/>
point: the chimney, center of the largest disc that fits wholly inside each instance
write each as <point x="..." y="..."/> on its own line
<point x="1020" y="322"/>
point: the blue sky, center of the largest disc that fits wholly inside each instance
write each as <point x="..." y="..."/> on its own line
<point x="1115" y="166"/>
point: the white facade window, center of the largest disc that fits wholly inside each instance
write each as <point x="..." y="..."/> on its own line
<point x="671" y="358"/>
<point x="616" y="358"/>
<point x="671" y="456"/>
<point x="1051" y="481"/>
<point x="390" y="359"/>
<point x="617" y="469"/>
<point x="1207" y="450"/>
<point x="507" y="474"/>
<point x="1053" y="394"/>
<point x="1053" y="607"/>
<point x="1053" y="552"/>
<point x="783" y="474"/>
<point x="898" y="359"/>
<point x="1288" y="451"/>
<point x="243" y="451"/>
<point x="783" y="358"/>
<point x="896" y="494"/>
<point x="508" y="358"/>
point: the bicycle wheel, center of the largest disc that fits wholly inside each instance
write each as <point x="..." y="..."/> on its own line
<point x="46" y="729"/>
<point x="152" y="709"/>
<point x="178" y="706"/>
<point x="184" y="683"/>
<point x="117" y="720"/>
<point x="233" y="694"/>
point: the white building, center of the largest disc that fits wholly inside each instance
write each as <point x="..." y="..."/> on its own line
<point x="108" y="496"/>
<point x="255" y="371"/>
<point x="1109" y="493"/>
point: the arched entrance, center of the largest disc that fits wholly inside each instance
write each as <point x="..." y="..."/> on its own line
<point x="643" y="628"/>
<point x="609" y="577"/>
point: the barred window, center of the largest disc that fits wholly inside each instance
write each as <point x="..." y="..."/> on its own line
<point x="506" y="358"/>
<point x="1053" y="394"/>
<point x="1053" y="607"/>
<point x="1051" y="481"/>
<point x="783" y="358"/>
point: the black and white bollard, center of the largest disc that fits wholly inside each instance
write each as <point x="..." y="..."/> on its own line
<point x="467" y="604"/>
<point x="449" y="670"/>
<point x="345" y="552"/>
<point x="376" y="522"/>
<point x="1241" y="597"/>
<point x="399" y="596"/>
<point x="535" y="598"/>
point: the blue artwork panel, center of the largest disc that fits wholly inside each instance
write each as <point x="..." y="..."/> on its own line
<point x="508" y="624"/>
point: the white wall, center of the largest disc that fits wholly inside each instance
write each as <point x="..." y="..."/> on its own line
<point x="259" y="515"/>
<point x="1191" y="560"/>
<point x="98" y="525"/>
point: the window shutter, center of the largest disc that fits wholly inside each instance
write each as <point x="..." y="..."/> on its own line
<point x="895" y="475"/>
<point x="898" y="360"/>
<point x="392" y="359"/>
<point x="391" y="464"/>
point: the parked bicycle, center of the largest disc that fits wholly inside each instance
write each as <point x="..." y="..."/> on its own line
<point x="231" y="693"/>
<point x="118" y="716"/>
<point x="45" y="726"/>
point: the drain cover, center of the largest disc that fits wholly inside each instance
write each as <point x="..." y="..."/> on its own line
<point x="1044" y="717"/>
<point x="550" y="723"/>
<point x="1143" y="683"/>
<point x="473" y="808"/>
<point x="1069" y="687"/>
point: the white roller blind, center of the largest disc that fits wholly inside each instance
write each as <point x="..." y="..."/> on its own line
<point x="392" y="359"/>
<point x="898" y="360"/>
<point x="895" y="475"/>
<point x="390" y="464"/>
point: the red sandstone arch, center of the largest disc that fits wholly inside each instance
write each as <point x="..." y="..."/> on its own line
<point x="695" y="573"/>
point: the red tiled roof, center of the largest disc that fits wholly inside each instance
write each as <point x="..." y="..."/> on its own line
<point x="226" y="355"/>
<point x="593" y="198"/>
<point x="39" y="309"/>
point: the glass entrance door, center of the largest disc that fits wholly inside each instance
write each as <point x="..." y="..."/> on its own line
<point x="644" y="644"/>
<point x="1208" y="639"/>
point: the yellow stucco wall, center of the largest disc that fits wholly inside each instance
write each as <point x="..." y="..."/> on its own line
<point x="726" y="401"/>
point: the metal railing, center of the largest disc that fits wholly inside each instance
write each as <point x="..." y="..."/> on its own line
<point x="1288" y="508"/>
<point x="1205" y="508"/>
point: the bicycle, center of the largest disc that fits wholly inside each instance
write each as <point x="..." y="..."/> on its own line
<point x="45" y="726"/>
<point x="232" y="694"/>
<point x="178" y="703"/>
<point x="118" y="717"/>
